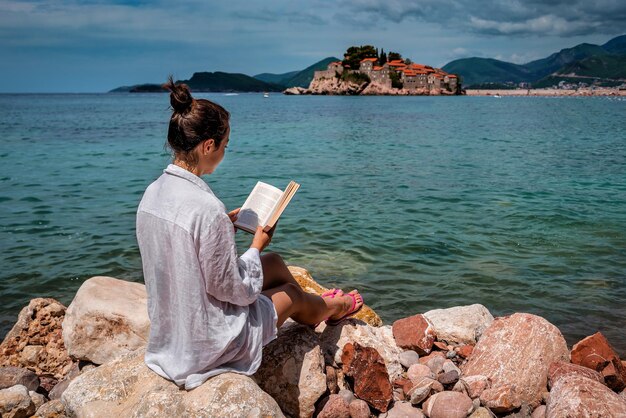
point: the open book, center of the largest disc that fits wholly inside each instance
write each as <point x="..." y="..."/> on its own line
<point x="264" y="206"/>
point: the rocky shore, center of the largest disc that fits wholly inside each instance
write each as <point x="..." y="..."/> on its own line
<point x="549" y="92"/>
<point x="87" y="361"/>
<point x="337" y="87"/>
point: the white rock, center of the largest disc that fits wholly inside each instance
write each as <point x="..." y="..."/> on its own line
<point x="37" y="398"/>
<point x="16" y="402"/>
<point x="126" y="387"/>
<point x="107" y="318"/>
<point x="460" y="324"/>
<point x="408" y="358"/>
<point x="404" y="410"/>
<point x="292" y="370"/>
<point x="333" y="340"/>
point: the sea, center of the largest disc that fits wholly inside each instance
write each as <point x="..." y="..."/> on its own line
<point x="516" y="203"/>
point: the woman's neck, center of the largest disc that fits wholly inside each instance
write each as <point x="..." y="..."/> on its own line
<point x="192" y="168"/>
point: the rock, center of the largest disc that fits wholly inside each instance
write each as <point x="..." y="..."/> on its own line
<point x="417" y="371"/>
<point x="437" y="386"/>
<point x="451" y="354"/>
<point x="15" y="402"/>
<point x="336" y="407"/>
<point x="420" y="390"/>
<point x="47" y="383"/>
<point x="292" y="370"/>
<point x="347" y="395"/>
<point x="408" y="358"/>
<point x="107" y="318"/>
<point x="414" y="333"/>
<point x="481" y="413"/>
<point x="435" y="364"/>
<point x="127" y="387"/>
<point x="501" y="399"/>
<point x="574" y="395"/>
<point x="37" y="398"/>
<point x="403" y="385"/>
<point x="539" y="412"/>
<point x="38" y="325"/>
<point x="449" y="366"/>
<point x="331" y="379"/>
<point x="333" y="339"/>
<point x="465" y="351"/>
<point x="473" y="386"/>
<point x="516" y="352"/>
<point x="295" y="91"/>
<point x="448" y="378"/>
<point x="559" y="369"/>
<point x="441" y="345"/>
<point x="335" y="86"/>
<point x="460" y="324"/>
<point x="448" y="405"/>
<point x="308" y="284"/>
<point x="52" y="409"/>
<point x="371" y="380"/>
<point x="359" y="409"/>
<point x="404" y="410"/>
<point x="11" y="376"/>
<point x="623" y="395"/>
<point x="596" y="353"/>
<point x="57" y="390"/>
<point x="434" y="354"/>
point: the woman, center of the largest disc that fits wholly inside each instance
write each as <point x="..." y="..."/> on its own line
<point x="210" y="310"/>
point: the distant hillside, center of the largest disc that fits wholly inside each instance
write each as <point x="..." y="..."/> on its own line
<point x="210" y="82"/>
<point x="599" y="62"/>
<point x="487" y="70"/>
<point x="297" y="78"/>
<point x="616" y="45"/>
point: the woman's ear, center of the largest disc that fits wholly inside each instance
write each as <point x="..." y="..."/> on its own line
<point x="207" y="145"/>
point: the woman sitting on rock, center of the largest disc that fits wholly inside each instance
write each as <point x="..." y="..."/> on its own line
<point x="210" y="310"/>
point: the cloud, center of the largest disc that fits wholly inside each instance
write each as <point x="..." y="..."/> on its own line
<point x="266" y="16"/>
<point x="562" y="18"/>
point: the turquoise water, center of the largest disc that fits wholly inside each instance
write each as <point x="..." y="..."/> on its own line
<point x="419" y="202"/>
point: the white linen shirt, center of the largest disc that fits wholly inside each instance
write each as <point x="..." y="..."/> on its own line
<point x="207" y="314"/>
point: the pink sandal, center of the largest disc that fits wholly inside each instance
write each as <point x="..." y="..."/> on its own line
<point x="350" y="313"/>
<point x="331" y="293"/>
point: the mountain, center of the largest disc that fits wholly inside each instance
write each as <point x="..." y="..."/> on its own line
<point x="616" y="45"/>
<point x="297" y="78"/>
<point x="276" y="78"/>
<point x="486" y="70"/>
<point x="588" y="60"/>
<point x="209" y="82"/>
<point x="566" y="56"/>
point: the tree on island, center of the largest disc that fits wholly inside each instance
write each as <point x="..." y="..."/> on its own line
<point x="394" y="56"/>
<point x="355" y="54"/>
<point x="382" y="60"/>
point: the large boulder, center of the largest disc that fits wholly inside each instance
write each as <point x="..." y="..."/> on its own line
<point x="460" y="324"/>
<point x="107" y="318"/>
<point x="292" y="370"/>
<point x="515" y="353"/>
<point x="558" y="369"/>
<point x="308" y="284"/>
<point x="577" y="396"/>
<point x="126" y="387"/>
<point x="596" y="353"/>
<point x="334" y="338"/>
<point x="35" y="341"/>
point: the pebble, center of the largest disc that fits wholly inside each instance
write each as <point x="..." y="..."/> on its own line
<point x="448" y="378"/>
<point x="11" y="376"/>
<point x="417" y="371"/>
<point x="336" y="407"/>
<point x="451" y="354"/>
<point x="408" y="358"/>
<point x="404" y="410"/>
<point x="347" y="395"/>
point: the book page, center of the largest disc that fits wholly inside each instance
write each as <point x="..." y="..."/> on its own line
<point x="282" y="203"/>
<point x="258" y="207"/>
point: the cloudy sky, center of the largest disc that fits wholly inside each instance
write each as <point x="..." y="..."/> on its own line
<point x="96" y="45"/>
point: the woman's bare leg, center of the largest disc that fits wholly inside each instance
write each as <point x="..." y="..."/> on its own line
<point x="291" y="301"/>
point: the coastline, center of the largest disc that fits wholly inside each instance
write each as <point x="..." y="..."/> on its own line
<point x="87" y="360"/>
<point x="601" y="92"/>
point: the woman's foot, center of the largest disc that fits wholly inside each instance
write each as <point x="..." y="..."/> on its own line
<point x="346" y="305"/>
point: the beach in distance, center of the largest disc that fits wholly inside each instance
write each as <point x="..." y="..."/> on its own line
<point x="548" y="92"/>
<point x="419" y="202"/>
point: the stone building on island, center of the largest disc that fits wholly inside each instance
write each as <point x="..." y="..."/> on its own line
<point x="413" y="77"/>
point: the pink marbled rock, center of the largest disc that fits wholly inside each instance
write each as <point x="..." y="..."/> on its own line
<point x="516" y="352"/>
<point x="577" y="396"/>
<point x="448" y="405"/>
<point x="558" y="369"/>
<point x="414" y="333"/>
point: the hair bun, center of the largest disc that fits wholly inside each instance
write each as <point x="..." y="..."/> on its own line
<point x="180" y="96"/>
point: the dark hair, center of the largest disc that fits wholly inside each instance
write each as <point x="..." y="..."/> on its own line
<point x="193" y="120"/>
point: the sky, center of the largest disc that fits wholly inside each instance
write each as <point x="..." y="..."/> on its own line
<point x="97" y="45"/>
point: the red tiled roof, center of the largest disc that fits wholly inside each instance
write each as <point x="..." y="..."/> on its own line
<point x="369" y="59"/>
<point x="452" y="76"/>
<point x="377" y="68"/>
<point x="396" y="64"/>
